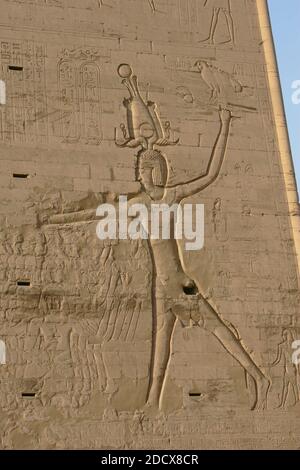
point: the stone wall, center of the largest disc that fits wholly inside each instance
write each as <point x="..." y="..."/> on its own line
<point x="76" y="313"/>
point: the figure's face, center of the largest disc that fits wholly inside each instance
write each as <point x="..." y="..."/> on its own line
<point x="287" y="336"/>
<point x="151" y="175"/>
<point x="199" y="65"/>
<point x="146" y="177"/>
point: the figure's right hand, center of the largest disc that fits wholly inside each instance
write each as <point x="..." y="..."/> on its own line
<point x="225" y="115"/>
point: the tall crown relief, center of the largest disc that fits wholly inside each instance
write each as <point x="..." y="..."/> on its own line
<point x="144" y="126"/>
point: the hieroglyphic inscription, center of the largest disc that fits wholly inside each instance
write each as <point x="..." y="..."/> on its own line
<point x="24" y="118"/>
<point x="79" y="91"/>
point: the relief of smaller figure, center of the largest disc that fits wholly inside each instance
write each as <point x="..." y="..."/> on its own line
<point x="217" y="80"/>
<point x="219" y="221"/>
<point x="50" y="348"/>
<point x="103" y="3"/>
<point x="5" y="243"/>
<point x="115" y="311"/>
<point x="218" y="8"/>
<point x="120" y="316"/>
<point x="291" y="373"/>
<point x="207" y="85"/>
<point x="152" y="5"/>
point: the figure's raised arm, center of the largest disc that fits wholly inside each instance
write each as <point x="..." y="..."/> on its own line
<point x="215" y="163"/>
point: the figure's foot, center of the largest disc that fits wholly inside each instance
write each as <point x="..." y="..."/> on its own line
<point x="84" y="400"/>
<point x="208" y="40"/>
<point x="110" y="414"/>
<point x="227" y="41"/>
<point x="151" y="409"/>
<point x="263" y="386"/>
<point x="111" y="387"/>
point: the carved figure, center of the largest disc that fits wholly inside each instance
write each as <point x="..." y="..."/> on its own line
<point x="291" y="371"/>
<point x="152" y="5"/>
<point x="177" y="297"/>
<point x="220" y="7"/>
<point x="216" y="79"/>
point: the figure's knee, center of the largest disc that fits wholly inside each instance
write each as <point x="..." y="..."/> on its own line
<point x="182" y="314"/>
<point x="188" y="311"/>
<point x="210" y="319"/>
<point x="165" y="321"/>
<point x="214" y="324"/>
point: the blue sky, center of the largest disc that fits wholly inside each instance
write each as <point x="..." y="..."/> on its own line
<point x="285" y="17"/>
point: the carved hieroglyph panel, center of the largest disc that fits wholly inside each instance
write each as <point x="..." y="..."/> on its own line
<point x="79" y="91"/>
<point x="24" y="119"/>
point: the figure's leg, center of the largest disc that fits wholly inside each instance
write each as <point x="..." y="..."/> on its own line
<point x="83" y="344"/>
<point x="213" y="92"/>
<point x="230" y="24"/>
<point x="101" y="373"/>
<point x="78" y="374"/>
<point x="214" y="324"/>
<point x="152" y="5"/>
<point x="214" y="24"/>
<point x="295" y="391"/>
<point x="285" y="393"/>
<point x="111" y="385"/>
<point x="162" y="344"/>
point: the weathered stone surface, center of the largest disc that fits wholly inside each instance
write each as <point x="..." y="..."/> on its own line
<point x="128" y="344"/>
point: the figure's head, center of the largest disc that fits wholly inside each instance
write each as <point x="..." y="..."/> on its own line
<point x="200" y="65"/>
<point x="287" y="335"/>
<point x="152" y="170"/>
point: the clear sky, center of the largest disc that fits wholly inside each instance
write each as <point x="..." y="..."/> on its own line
<point x="285" y="19"/>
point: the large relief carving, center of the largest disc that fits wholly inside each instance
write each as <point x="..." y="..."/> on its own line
<point x="218" y="27"/>
<point x="180" y="300"/>
<point x="139" y="343"/>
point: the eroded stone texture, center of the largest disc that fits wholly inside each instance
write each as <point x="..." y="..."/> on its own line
<point x="125" y="344"/>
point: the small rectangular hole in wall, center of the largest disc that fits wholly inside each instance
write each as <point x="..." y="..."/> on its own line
<point x="23" y="283"/>
<point x="16" y="68"/>
<point x="20" y="175"/>
<point x="28" y="395"/>
<point x="2" y="92"/>
<point x="195" y="394"/>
